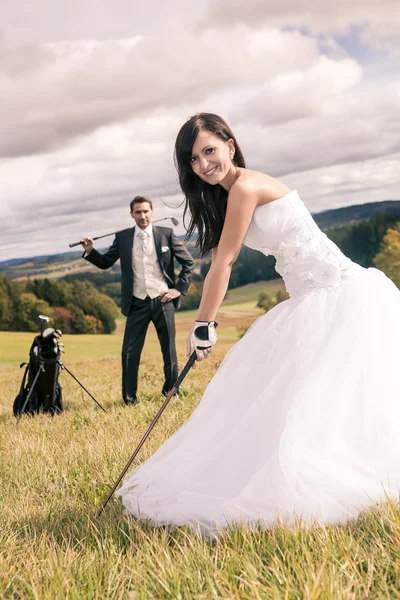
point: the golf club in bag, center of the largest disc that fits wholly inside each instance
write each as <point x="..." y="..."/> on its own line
<point x="40" y="388"/>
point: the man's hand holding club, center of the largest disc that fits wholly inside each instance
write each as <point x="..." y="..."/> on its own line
<point x="87" y="243"/>
<point x="202" y="338"/>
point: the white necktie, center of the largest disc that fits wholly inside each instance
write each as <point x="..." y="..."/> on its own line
<point x="144" y="236"/>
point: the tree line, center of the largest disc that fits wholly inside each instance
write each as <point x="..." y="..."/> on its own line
<point x="388" y="259"/>
<point x="74" y="307"/>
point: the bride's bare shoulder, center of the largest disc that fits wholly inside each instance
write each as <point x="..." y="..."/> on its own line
<point x="266" y="187"/>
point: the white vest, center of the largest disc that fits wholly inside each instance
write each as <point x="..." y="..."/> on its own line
<point x="148" y="279"/>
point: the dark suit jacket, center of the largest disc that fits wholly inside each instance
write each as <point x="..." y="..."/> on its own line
<point x="121" y="248"/>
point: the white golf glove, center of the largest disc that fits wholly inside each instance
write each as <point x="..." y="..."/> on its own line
<point x="202" y="338"/>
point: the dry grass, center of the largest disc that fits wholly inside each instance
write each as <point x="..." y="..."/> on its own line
<point x="55" y="472"/>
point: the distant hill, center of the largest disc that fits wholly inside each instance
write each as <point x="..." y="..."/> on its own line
<point x="70" y="263"/>
<point x="349" y="215"/>
<point x="52" y="266"/>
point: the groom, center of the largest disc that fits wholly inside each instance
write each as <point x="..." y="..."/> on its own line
<point x="149" y="289"/>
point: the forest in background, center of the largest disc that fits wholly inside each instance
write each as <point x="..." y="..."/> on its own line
<point x="74" y="307"/>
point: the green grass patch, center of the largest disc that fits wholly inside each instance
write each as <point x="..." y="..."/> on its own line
<point x="250" y="292"/>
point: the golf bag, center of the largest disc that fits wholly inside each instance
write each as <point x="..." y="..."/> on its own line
<point x="40" y="388"/>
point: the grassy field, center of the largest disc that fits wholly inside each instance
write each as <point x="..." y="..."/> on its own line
<point x="55" y="472"/>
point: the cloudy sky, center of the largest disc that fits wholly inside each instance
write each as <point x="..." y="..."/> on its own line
<point x="93" y="94"/>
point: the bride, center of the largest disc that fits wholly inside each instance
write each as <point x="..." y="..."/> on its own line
<point x="302" y="419"/>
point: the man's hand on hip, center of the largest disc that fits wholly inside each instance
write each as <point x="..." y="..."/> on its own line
<point x="169" y="295"/>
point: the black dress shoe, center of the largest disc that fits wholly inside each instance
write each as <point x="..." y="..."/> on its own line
<point x="130" y="401"/>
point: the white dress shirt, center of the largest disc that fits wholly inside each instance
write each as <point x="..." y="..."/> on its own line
<point x="148" y="279"/>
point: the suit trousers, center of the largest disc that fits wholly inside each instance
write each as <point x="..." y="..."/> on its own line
<point x="162" y="314"/>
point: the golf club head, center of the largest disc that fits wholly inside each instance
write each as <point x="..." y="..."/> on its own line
<point x="47" y="332"/>
<point x="43" y="319"/>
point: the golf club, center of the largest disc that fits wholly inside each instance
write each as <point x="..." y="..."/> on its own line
<point x="174" y="221"/>
<point x="43" y="319"/>
<point x="178" y="382"/>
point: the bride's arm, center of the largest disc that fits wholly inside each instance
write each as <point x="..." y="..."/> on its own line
<point x="240" y="208"/>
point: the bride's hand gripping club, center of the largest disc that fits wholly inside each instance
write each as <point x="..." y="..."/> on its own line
<point x="201" y="339"/>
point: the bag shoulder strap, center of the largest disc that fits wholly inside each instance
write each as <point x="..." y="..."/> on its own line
<point x="23" y="382"/>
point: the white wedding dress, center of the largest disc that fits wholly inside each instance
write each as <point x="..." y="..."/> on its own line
<point x="302" y="419"/>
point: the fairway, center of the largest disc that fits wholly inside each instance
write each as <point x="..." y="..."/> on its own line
<point x="56" y="471"/>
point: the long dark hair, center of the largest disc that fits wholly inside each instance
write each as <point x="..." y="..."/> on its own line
<point x="205" y="202"/>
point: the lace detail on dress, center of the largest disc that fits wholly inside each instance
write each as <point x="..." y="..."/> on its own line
<point x="309" y="263"/>
<point x="306" y="258"/>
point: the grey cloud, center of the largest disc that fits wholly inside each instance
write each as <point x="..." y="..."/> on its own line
<point x="73" y="89"/>
<point x="379" y="20"/>
<point x="371" y="180"/>
<point x="89" y="184"/>
<point x="320" y="123"/>
<point x="305" y="144"/>
<point x="321" y="89"/>
<point x="45" y="21"/>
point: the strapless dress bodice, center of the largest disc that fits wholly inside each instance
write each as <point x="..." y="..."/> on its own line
<point x="306" y="258"/>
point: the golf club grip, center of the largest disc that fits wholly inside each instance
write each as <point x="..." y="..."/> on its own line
<point x="185" y="370"/>
<point x="99" y="237"/>
<point x="95" y="238"/>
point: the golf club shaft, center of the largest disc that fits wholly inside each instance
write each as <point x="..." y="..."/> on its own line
<point x="98" y="237"/>
<point x="178" y="382"/>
